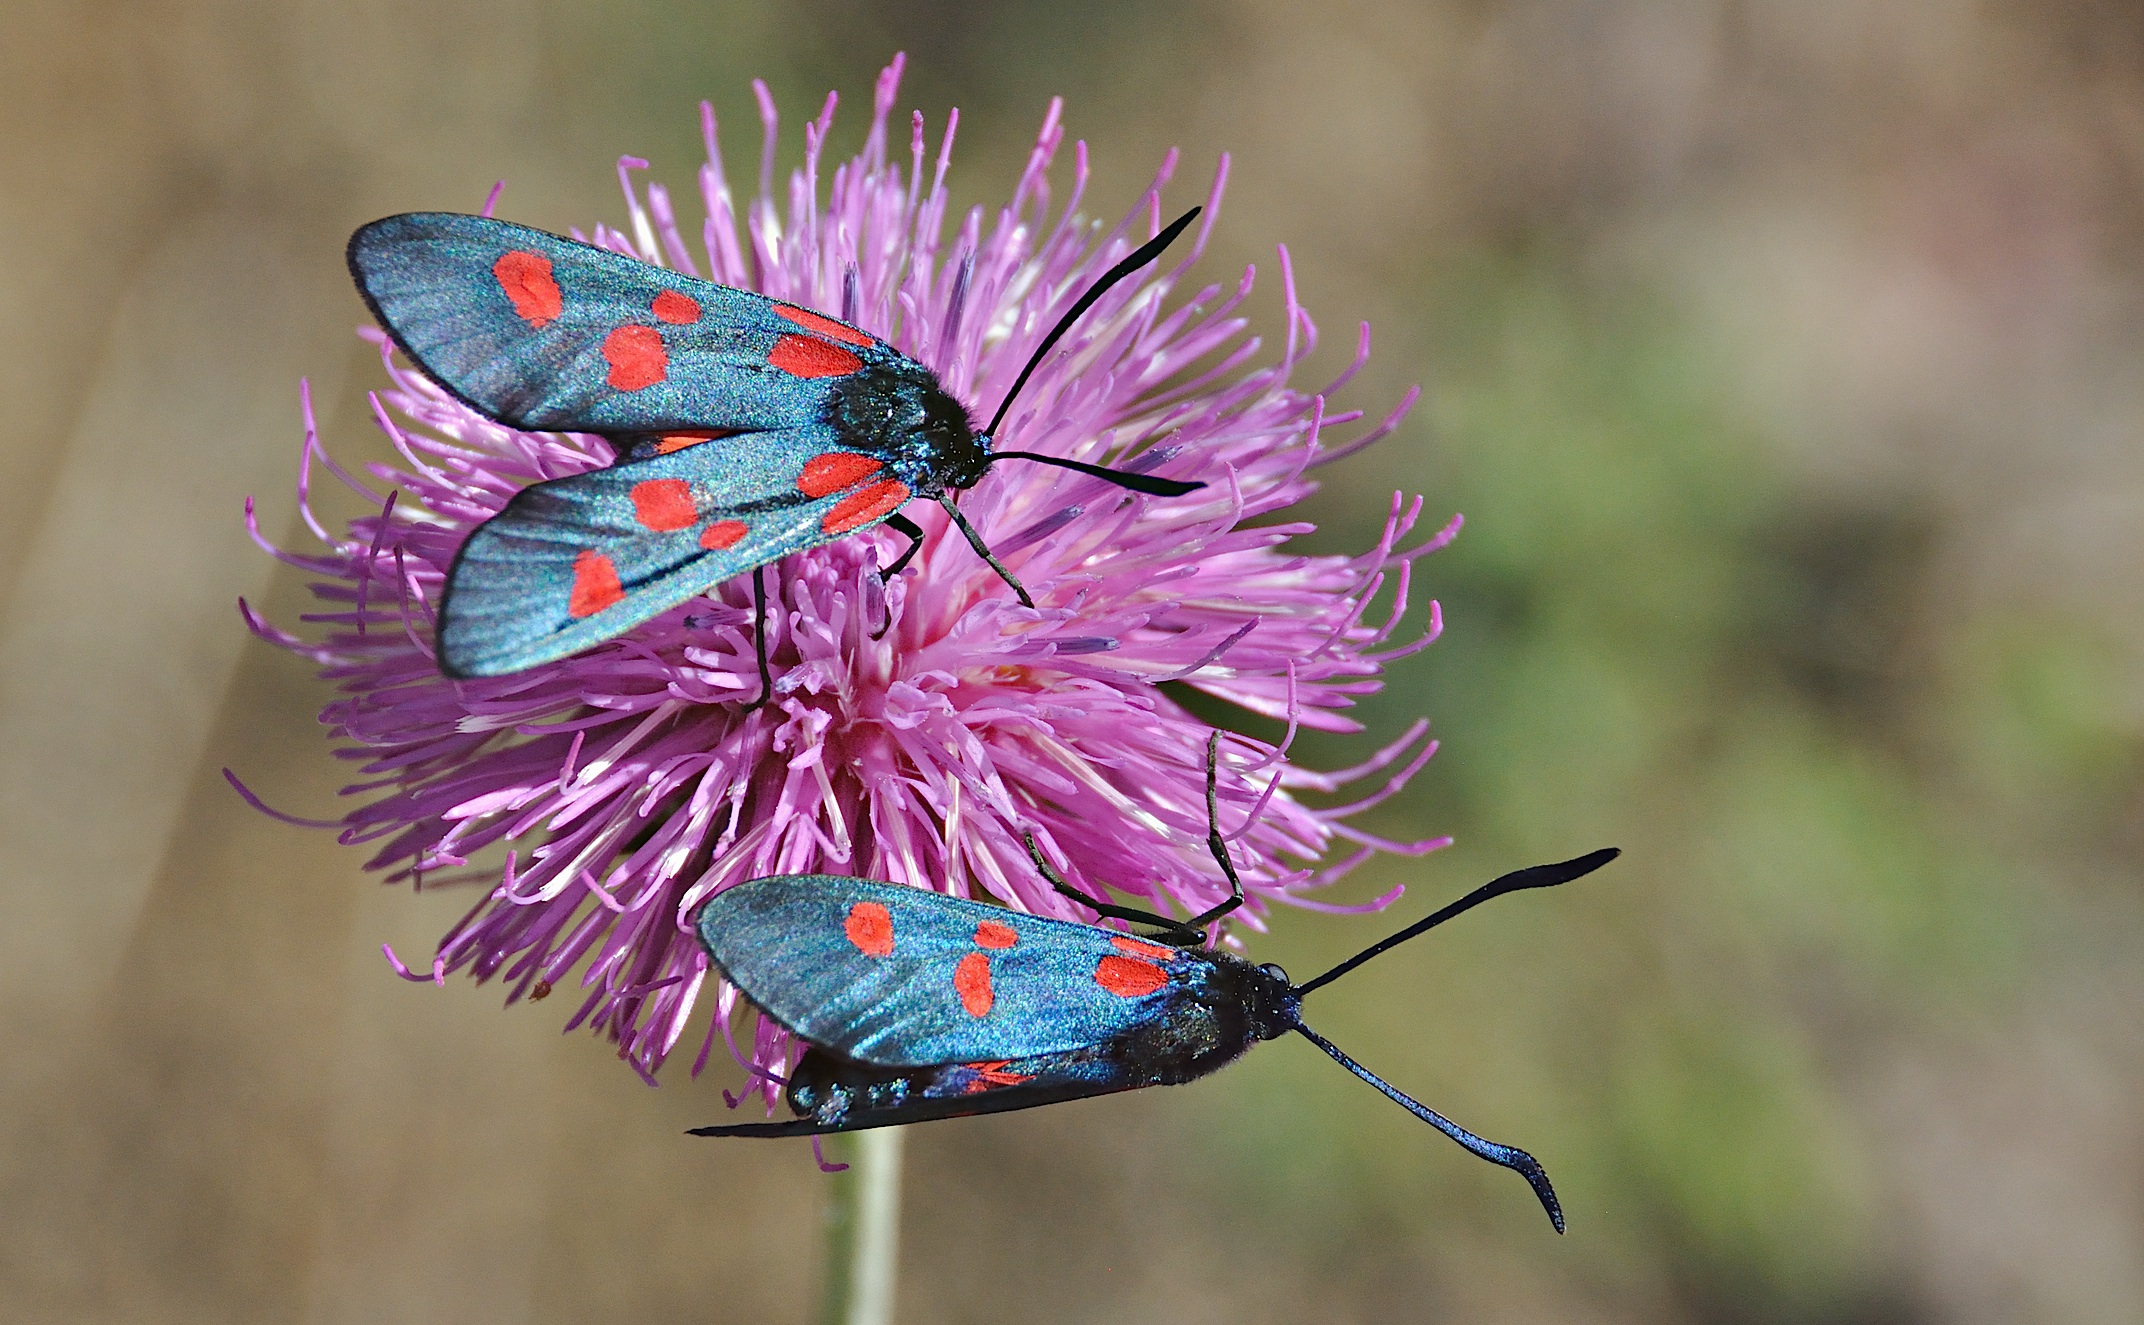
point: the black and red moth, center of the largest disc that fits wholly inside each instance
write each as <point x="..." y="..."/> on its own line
<point x="915" y="1005"/>
<point x="745" y="428"/>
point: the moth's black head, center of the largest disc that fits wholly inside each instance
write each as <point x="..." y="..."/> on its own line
<point x="960" y="449"/>
<point x="908" y="418"/>
<point x="1270" y="1005"/>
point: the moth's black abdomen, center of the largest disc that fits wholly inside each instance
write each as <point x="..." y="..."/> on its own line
<point x="1194" y="1038"/>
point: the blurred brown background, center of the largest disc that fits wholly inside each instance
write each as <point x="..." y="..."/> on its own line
<point x="1784" y="356"/>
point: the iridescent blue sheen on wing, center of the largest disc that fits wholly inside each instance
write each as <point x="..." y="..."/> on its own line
<point x="764" y="428"/>
<point x="792" y="944"/>
<point x="860" y="972"/>
<point x="516" y="594"/>
<point x="523" y="339"/>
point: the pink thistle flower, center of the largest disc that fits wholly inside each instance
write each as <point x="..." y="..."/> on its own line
<point x="632" y="781"/>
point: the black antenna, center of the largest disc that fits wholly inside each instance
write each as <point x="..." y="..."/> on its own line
<point x="1157" y="487"/>
<point x="1511" y="1157"/>
<point x="1145" y="253"/>
<point x="1534" y="876"/>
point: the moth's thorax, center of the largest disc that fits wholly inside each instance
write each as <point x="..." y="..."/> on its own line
<point x="904" y="416"/>
<point x="1222" y="1005"/>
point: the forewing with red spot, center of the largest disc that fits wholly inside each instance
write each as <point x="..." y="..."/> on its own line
<point x="541" y="332"/>
<point x="575" y="561"/>
<point x="957" y="981"/>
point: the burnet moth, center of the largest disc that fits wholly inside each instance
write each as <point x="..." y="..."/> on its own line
<point x="914" y="1005"/>
<point x="745" y="428"/>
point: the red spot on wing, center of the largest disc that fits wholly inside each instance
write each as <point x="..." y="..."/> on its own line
<point x="723" y="535"/>
<point x="801" y="356"/>
<point x="525" y="278"/>
<point x="636" y="357"/>
<point x="993" y="1074"/>
<point x="676" y="309"/>
<point x="823" y="326"/>
<point x="1128" y="977"/>
<point x="972" y="979"/>
<point x="870" y="928"/>
<point x="678" y="441"/>
<point x="824" y="475"/>
<point x="665" y="504"/>
<point x="595" y="585"/>
<point x="991" y="934"/>
<point x="1139" y="948"/>
<point x="859" y="509"/>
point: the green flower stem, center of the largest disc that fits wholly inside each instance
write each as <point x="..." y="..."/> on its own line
<point x="863" y="1231"/>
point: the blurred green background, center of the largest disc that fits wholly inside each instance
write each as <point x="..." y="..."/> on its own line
<point x="1784" y="357"/>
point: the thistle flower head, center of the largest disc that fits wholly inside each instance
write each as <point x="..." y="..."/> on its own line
<point x="627" y="784"/>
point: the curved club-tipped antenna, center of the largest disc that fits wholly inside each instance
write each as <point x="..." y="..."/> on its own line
<point x="1511" y="1157"/>
<point x="1145" y="253"/>
<point x="1534" y="876"/>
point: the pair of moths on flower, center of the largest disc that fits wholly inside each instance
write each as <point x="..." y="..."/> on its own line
<point x="747" y="429"/>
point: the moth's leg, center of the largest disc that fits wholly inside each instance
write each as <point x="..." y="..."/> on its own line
<point x="982" y="549"/>
<point x="1181" y="933"/>
<point x="900" y="524"/>
<point x="1178" y="933"/>
<point x="1214" y="842"/>
<point x="759" y="636"/>
<point x="909" y="529"/>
